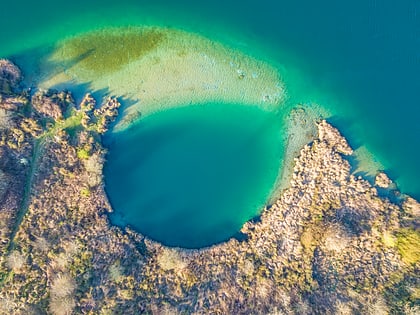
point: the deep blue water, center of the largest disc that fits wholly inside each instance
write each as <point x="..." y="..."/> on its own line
<point x="192" y="176"/>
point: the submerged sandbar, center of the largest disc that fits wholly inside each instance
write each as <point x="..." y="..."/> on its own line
<point x="158" y="68"/>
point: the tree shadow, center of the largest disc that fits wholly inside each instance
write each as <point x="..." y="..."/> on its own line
<point x="38" y="66"/>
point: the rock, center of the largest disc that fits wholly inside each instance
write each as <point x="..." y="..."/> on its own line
<point x="382" y="180"/>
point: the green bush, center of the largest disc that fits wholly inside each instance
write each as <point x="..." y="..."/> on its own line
<point x="85" y="192"/>
<point x="408" y="241"/>
<point x="83" y="154"/>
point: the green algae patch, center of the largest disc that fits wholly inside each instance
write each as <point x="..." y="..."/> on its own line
<point x="106" y="51"/>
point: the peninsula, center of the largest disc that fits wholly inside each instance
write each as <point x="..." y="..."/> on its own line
<point x="331" y="243"/>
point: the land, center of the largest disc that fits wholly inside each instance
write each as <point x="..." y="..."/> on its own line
<point x="332" y="243"/>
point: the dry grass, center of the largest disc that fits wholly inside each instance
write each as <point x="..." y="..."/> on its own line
<point x="16" y="261"/>
<point x="378" y="307"/>
<point x="343" y="308"/>
<point x="61" y="295"/>
<point x="248" y="267"/>
<point x="41" y="244"/>
<point x="408" y="241"/>
<point x="71" y="248"/>
<point x="62" y="306"/>
<point x="415" y="310"/>
<point x="7" y="304"/>
<point x="115" y="271"/>
<point x="263" y="288"/>
<point x="60" y="262"/>
<point x="388" y="239"/>
<point x="6" y="121"/>
<point x="169" y="259"/>
<point x="93" y="166"/>
<point x="335" y="239"/>
<point x="63" y="286"/>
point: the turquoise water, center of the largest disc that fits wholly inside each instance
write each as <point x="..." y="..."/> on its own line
<point x="192" y="176"/>
<point x="359" y="60"/>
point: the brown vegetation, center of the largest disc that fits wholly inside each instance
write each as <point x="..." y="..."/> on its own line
<point x="329" y="244"/>
<point x="10" y="77"/>
<point x="52" y="104"/>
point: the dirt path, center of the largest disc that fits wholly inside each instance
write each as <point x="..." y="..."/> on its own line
<point x="36" y="153"/>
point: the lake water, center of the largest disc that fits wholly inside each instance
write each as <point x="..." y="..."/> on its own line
<point x="358" y="60"/>
<point x="192" y="176"/>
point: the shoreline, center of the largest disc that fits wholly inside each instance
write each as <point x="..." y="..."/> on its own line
<point x="330" y="243"/>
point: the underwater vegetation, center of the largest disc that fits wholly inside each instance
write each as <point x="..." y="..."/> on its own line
<point x="106" y="51"/>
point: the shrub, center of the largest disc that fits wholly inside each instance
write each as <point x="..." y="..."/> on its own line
<point x="115" y="271"/>
<point x="62" y="306"/>
<point x="169" y="259"/>
<point x="85" y="192"/>
<point x="306" y="239"/>
<point x="4" y="183"/>
<point x="62" y="286"/>
<point x="93" y="166"/>
<point x="61" y="295"/>
<point x="10" y="72"/>
<point x="83" y="154"/>
<point x="16" y="261"/>
<point x="408" y="241"/>
<point x="388" y="239"/>
<point x="6" y="119"/>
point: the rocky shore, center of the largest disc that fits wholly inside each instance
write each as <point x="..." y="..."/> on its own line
<point x="329" y="245"/>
